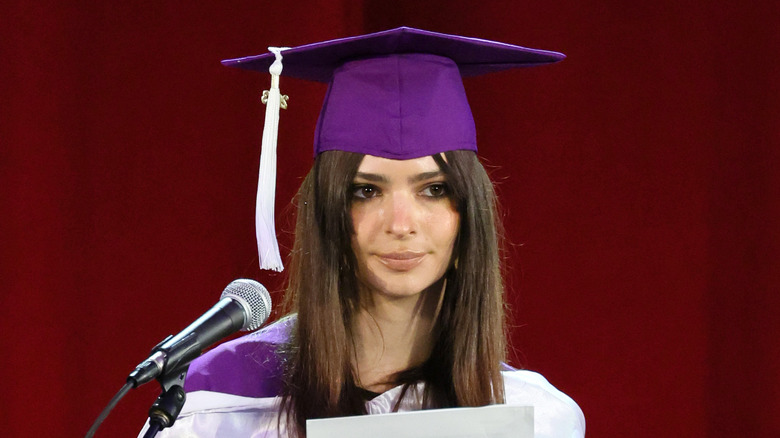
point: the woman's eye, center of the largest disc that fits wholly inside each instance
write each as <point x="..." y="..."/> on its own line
<point x="435" y="190"/>
<point x="364" y="191"/>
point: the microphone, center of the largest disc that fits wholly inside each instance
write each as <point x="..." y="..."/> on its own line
<point x="244" y="305"/>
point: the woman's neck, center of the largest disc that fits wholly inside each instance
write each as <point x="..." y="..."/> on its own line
<point x="394" y="334"/>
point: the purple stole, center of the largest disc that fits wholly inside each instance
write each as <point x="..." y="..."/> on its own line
<point x="249" y="366"/>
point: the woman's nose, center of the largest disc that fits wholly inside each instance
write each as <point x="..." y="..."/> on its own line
<point x="403" y="215"/>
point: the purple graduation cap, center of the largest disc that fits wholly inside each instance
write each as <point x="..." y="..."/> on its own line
<point x="395" y="94"/>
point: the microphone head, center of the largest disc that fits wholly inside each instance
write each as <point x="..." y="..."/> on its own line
<point x="253" y="297"/>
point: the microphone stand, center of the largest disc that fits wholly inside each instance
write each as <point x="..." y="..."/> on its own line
<point x="169" y="404"/>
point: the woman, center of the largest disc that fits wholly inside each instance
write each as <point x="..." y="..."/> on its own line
<point x="395" y="285"/>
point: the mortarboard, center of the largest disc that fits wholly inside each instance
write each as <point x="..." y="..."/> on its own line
<point x="395" y="94"/>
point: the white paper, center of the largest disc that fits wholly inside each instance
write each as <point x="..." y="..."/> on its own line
<point x="496" y="421"/>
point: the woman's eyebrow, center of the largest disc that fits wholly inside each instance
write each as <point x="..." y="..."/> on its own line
<point x="425" y="175"/>
<point x="379" y="178"/>
<point x="373" y="177"/>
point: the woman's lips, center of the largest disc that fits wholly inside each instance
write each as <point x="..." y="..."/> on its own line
<point x="401" y="261"/>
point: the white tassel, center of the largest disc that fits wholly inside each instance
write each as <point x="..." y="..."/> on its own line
<point x="265" y="228"/>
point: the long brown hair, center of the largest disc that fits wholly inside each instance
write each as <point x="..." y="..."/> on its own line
<point x="464" y="366"/>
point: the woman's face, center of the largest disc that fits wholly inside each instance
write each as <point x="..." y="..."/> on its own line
<point x="405" y="225"/>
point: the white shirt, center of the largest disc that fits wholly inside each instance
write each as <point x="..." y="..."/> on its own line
<point x="211" y="414"/>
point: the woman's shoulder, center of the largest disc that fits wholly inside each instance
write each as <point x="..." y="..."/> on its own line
<point x="249" y="366"/>
<point x="555" y="413"/>
<point x="215" y="414"/>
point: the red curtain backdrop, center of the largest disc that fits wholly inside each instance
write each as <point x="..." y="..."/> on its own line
<point x="638" y="180"/>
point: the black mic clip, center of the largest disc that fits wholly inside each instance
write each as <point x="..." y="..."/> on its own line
<point x="169" y="404"/>
<point x="166" y="409"/>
